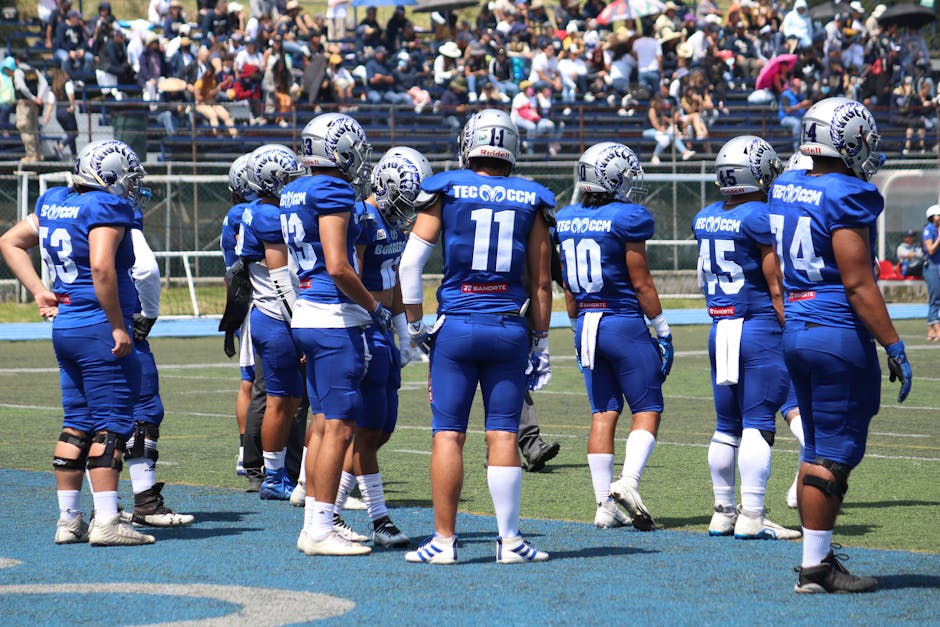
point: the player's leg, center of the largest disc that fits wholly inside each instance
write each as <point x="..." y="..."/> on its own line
<point x="791" y="413"/>
<point x="254" y="460"/>
<point x="335" y="367"/>
<point x="838" y="388"/>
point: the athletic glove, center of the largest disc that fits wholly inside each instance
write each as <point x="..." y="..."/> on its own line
<point x="142" y="326"/>
<point x="667" y="352"/>
<point x="900" y="368"/>
<point x="381" y="318"/>
<point x="420" y="336"/>
<point x="539" y="370"/>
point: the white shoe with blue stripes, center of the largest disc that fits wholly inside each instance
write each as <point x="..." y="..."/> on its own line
<point x="517" y="551"/>
<point x="434" y="551"/>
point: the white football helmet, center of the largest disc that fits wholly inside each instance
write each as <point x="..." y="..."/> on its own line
<point x="396" y="183"/>
<point x="611" y="168"/>
<point x="271" y="167"/>
<point x="489" y="133"/>
<point x="335" y="140"/>
<point x="238" y="178"/>
<point x="798" y="161"/>
<point x="844" y="129"/>
<point x="746" y="164"/>
<point x="112" y="166"/>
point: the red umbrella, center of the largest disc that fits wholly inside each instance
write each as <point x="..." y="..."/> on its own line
<point x="766" y="77"/>
<point x="629" y="10"/>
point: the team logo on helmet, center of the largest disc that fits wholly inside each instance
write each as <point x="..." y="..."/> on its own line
<point x="851" y="130"/>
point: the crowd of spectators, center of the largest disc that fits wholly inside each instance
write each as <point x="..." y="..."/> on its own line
<point x="675" y="67"/>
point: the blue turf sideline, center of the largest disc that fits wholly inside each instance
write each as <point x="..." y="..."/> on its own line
<point x="206" y="327"/>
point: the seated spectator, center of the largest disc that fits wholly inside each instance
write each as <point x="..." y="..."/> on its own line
<point x="152" y="66"/>
<point x="475" y="70"/>
<point x="574" y="74"/>
<point x="698" y="109"/>
<point x="71" y="46"/>
<point x="793" y="105"/>
<point x="206" y="94"/>
<point x="454" y="106"/>
<point x="525" y="114"/>
<point x="381" y="85"/>
<point x="446" y="65"/>
<point x="394" y="28"/>
<point x="544" y="70"/>
<point x="226" y="78"/>
<point x="341" y="84"/>
<point x="283" y="91"/>
<point x="114" y="67"/>
<point x="216" y="24"/>
<point x="369" y="31"/>
<point x="157" y="11"/>
<point x="910" y="255"/>
<point x="56" y="17"/>
<point x="183" y="61"/>
<point x="492" y="95"/>
<point x="175" y="18"/>
<point x="663" y="116"/>
<point x="295" y="29"/>
<point x="649" y="60"/>
<point x="921" y="114"/>
<point x="501" y="75"/>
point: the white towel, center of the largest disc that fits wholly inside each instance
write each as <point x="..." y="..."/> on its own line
<point x="246" y="352"/>
<point x="589" y="325"/>
<point x="728" y="350"/>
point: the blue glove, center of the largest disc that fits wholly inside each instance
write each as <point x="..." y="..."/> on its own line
<point x="900" y="368"/>
<point x="539" y="371"/>
<point x="420" y="336"/>
<point x="668" y="354"/>
<point x="381" y="318"/>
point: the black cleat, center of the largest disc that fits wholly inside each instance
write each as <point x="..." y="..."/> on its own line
<point x="255" y="479"/>
<point x="831" y="576"/>
<point x="542" y="456"/>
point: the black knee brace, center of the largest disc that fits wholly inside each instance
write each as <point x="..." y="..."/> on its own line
<point x="768" y="436"/>
<point x="836" y="488"/>
<point x="82" y="442"/>
<point x="112" y="442"/>
<point x="136" y="445"/>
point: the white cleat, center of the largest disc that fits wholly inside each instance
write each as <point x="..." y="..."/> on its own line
<point x="332" y="544"/>
<point x="116" y="532"/>
<point x="517" y="551"/>
<point x="609" y="516"/>
<point x="791" y="496"/>
<point x="299" y="494"/>
<point x="434" y="551"/>
<point x="630" y="500"/>
<point x="761" y="528"/>
<point x="343" y="529"/>
<point x="352" y="503"/>
<point x="722" y="523"/>
<point x="73" y="531"/>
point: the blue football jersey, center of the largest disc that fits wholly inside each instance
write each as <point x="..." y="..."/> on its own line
<point x="228" y="239"/>
<point x="730" y="259"/>
<point x="804" y="212"/>
<point x="486" y="224"/>
<point x="930" y="233"/>
<point x="65" y="220"/>
<point x="260" y="224"/>
<point x="594" y="257"/>
<point x="303" y="201"/>
<point x="383" y="248"/>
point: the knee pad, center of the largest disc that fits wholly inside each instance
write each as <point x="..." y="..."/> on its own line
<point x="768" y="436"/>
<point x="112" y="442"/>
<point x="82" y="442"/>
<point x="137" y="444"/>
<point x="836" y="488"/>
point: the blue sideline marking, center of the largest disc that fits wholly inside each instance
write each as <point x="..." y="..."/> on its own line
<point x="594" y="576"/>
<point x="207" y="327"/>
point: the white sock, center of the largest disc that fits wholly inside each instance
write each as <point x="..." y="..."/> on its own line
<point x="640" y="445"/>
<point x="373" y="493"/>
<point x="346" y="482"/>
<point x="796" y="428"/>
<point x="318" y="518"/>
<point x="274" y="460"/>
<point x="70" y="504"/>
<point x="302" y="475"/>
<point x="309" y="513"/>
<point x="602" y="473"/>
<point x="754" y="464"/>
<point x="506" y="489"/>
<point x="816" y="546"/>
<point x="722" y="458"/>
<point x="143" y="473"/>
<point x="241" y="454"/>
<point x="106" y="505"/>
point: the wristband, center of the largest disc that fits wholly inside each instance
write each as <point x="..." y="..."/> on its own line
<point x="660" y="325"/>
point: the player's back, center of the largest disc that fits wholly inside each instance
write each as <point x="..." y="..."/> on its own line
<point x="593" y="253"/>
<point x="486" y="222"/>
<point x="805" y="210"/>
<point x="65" y="219"/>
<point x="228" y="238"/>
<point x="730" y="259"/>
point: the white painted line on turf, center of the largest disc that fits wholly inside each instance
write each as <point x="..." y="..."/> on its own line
<point x="900" y="435"/>
<point x="257" y="606"/>
<point x="6" y="562"/>
<point x="232" y="365"/>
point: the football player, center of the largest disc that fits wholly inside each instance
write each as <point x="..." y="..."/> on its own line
<point x="739" y="275"/>
<point x="609" y="291"/>
<point x="318" y="225"/>
<point x="825" y="224"/>
<point x="273" y="284"/>
<point x="84" y="231"/>
<point x="494" y="229"/>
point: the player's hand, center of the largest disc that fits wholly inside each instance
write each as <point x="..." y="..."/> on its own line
<point x="408" y="355"/>
<point x="667" y="352"/>
<point x="381" y="318"/>
<point x="900" y="368"/>
<point x="420" y="336"/>
<point x="539" y="371"/>
<point x="122" y="343"/>
<point x="142" y="326"/>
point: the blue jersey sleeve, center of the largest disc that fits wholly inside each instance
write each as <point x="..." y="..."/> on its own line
<point x="635" y="223"/>
<point x="756" y="225"/>
<point x="439" y="182"/>
<point x="110" y="210"/>
<point x="859" y="208"/>
<point x="330" y="195"/>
